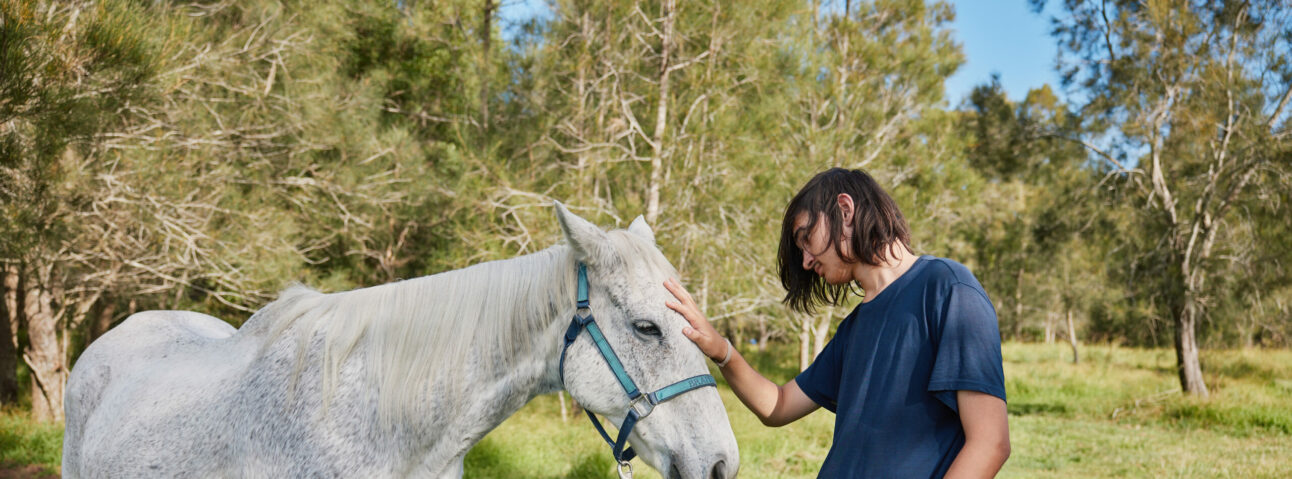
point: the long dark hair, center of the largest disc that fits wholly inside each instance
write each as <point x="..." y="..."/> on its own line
<point x="877" y="227"/>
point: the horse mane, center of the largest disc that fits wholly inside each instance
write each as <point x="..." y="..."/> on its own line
<point x="415" y="331"/>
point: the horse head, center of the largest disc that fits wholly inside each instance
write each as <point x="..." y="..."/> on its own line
<point x="689" y="436"/>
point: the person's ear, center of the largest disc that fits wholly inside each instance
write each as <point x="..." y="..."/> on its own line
<point x="846" y="208"/>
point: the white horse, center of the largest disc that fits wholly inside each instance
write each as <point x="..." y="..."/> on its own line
<point x="399" y="380"/>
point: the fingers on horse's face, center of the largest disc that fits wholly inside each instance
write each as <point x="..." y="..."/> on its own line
<point x="688" y="436"/>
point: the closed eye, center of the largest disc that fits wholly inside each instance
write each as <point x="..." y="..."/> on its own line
<point x="646" y="327"/>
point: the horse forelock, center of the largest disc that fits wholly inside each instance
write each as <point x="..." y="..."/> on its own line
<point x="641" y="258"/>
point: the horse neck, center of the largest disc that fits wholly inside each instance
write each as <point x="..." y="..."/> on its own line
<point x="491" y="323"/>
<point x="521" y="303"/>
<point x="504" y="344"/>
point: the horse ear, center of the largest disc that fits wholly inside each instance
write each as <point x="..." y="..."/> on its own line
<point x="640" y="228"/>
<point x="589" y="242"/>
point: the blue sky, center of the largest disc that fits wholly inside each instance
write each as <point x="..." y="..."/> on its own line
<point x="1004" y="37"/>
<point x="997" y="36"/>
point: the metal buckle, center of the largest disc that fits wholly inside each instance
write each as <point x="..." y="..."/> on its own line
<point x="644" y="410"/>
<point x="628" y="474"/>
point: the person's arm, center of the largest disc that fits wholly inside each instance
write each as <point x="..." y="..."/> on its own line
<point x="774" y="405"/>
<point x="986" y="426"/>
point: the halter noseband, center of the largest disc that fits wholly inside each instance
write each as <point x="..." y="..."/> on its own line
<point x="640" y="405"/>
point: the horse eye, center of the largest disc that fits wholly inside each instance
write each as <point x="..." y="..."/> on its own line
<point x="646" y="327"/>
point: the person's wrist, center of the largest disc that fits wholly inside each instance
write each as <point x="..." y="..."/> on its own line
<point x="725" y="356"/>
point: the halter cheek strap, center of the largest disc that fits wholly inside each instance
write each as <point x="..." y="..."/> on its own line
<point x="639" y="405"/>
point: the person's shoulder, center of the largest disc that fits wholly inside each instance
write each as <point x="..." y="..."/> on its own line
<point x="945" y="275"/>
<point x="948" y="272"/>
<point x="948" y="278"/>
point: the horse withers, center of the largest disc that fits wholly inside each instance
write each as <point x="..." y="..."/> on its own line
<point x="398" y="380"/>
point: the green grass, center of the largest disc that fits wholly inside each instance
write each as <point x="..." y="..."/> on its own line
<point x="1119" y="413"/>
<point x="1116" y="414"/>
<point x="23" y="441"/>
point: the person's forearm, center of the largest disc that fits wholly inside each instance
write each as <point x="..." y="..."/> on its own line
<point x="758" y="393"/>
<point x="979" y="460"/>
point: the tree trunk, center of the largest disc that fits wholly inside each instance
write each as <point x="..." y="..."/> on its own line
<point x="1186" y="347"/>
<point x="103" y="321"/>
<point x="1072" y="336"/>
<point x="819" y="333"/>
<point x="764" y="334"/>
<point x="661" y="118"/>
<point x="12" y="306"/>
<point x="1049" y="328"/>
<point x="486" y="70"/>
<point x="9" y="336"/>
<point x="1018" y="300"/>
<point x="44" y="355"/>
<point x="805" y="343"/>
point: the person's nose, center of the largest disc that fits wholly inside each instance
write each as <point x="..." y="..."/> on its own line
<point x="808" y="260"/>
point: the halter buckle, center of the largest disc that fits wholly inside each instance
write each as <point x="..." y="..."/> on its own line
<point x="625" y="470"/>
<point x="645" y="408"/>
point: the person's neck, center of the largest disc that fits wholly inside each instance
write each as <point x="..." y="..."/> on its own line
<point x="874" y="279"/>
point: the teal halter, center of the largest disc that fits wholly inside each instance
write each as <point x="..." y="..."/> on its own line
<point x="637" y="408"/>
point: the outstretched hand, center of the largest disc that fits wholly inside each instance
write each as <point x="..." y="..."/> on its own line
<point x="699" y="330"/>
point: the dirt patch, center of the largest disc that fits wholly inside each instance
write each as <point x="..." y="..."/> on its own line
<point x="10" y="471"/>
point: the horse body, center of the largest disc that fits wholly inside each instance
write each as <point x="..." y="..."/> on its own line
<point x="186" y="404"/>
<point x="399" y="380"/>
<point x="195" y="398"/>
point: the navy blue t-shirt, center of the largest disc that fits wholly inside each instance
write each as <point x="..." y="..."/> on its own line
<point x="891" y="372"/>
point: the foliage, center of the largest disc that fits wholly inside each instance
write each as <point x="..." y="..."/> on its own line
<point x="1190" y="98"/>
<point x="203" y="156"/>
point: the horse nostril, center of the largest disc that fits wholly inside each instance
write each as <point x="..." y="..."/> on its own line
<point x="673" y="472"/>
<point x="719" y="470"/>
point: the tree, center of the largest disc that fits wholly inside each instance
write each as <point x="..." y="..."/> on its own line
<point x="67" y="68"/>
<point x="865" y="92"/>
<point x="1042" y="238"/>
<point x="1188" y="100"/>
<point x="201" y="172"/>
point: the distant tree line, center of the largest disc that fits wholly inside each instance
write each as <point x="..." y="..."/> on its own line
<point x="202" y="156"/>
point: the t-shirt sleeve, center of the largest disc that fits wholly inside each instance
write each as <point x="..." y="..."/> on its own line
<point x="820" y="381"/>
<point x="968" y="348"/>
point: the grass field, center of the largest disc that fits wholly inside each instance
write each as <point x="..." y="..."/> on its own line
<point x="1116" y="414"/>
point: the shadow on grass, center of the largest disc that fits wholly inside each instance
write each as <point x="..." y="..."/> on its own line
<point x="28" y="471"/>
<point x="488" y="459"/>
<point x="1240" y="368"/>
<point x="1023" y="409"/>
<point x="1240" y="420"/>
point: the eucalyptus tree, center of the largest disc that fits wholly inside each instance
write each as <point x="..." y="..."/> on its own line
<point x="1040" y="239"/>
<point x="1189" y="100"/>
<point x="864" y="89"/>
<point x="645" y="107"/>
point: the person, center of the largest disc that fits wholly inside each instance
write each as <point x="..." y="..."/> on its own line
<point x="913" y="374"/>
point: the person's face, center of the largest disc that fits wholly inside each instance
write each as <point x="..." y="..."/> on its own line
<point x="819" y="254"/>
